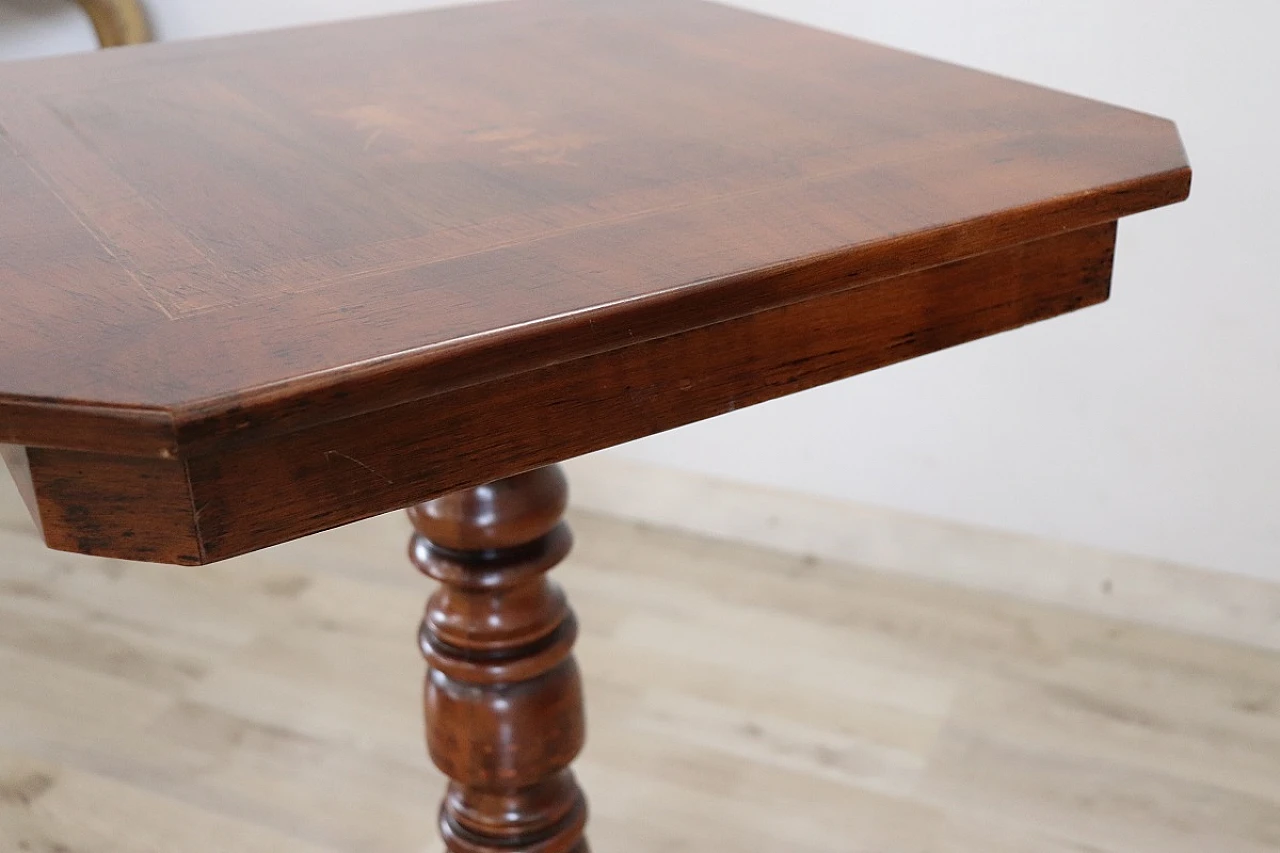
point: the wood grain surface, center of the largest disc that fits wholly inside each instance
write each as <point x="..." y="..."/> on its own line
<point x="234" y="499"/>
<point x="212" y="250"/>
<point x="229" y="227"/>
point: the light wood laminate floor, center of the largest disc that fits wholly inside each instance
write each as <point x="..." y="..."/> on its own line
<point x="738" y="701"/>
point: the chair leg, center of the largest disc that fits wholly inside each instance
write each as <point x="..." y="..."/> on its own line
<point x="118" y="22"/>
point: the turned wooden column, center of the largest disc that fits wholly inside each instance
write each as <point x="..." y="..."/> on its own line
<point x="504" y="714"/>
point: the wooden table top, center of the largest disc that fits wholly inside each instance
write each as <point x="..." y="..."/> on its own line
<point x="209" y="245"/>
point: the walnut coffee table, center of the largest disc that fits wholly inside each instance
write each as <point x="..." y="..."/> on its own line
<point x="257" y="287"/>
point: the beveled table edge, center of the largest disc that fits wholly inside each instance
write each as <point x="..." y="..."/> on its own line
<point x="278" y="408"/>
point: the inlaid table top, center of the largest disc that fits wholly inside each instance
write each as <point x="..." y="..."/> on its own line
<point x="258" y="286"/>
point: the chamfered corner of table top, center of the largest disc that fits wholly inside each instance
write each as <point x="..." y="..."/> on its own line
<point x="203" y="238"/>
<point x="257" y="286"/>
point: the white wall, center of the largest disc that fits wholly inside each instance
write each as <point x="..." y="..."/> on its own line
<point x="1149" y="425"/>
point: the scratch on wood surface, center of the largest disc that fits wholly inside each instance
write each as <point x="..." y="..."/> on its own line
<point x="330" y="454"/>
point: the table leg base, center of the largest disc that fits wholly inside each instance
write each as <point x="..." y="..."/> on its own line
<point x="503" y="696"/>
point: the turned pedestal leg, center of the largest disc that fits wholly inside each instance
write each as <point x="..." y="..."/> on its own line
<point x="503" y="696"/>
